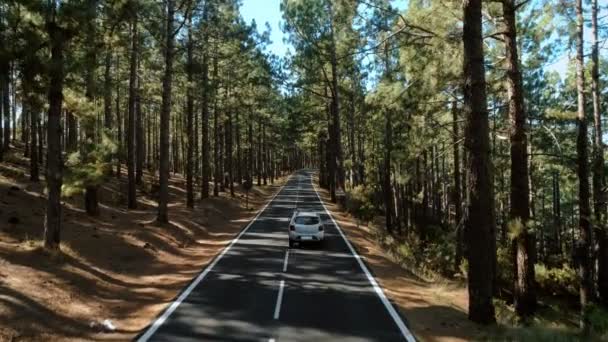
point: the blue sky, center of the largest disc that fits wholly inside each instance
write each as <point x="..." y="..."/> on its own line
<point x="269" y="11"/>
<point x="266" y="11"/>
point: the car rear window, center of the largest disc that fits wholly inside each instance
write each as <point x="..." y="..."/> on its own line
<point x="307" y="220"/>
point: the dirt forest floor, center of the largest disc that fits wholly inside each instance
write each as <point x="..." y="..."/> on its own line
<point x="120" y="266"/>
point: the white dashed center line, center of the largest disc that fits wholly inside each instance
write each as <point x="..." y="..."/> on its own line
<point x="285" y="261"/>
<point x="277" y="308"/>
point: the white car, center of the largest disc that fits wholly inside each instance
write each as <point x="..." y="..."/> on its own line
<point x="305" y="226"/>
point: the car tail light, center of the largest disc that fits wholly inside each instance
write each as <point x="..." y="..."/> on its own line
<point x="321" y="228"/>
<point x="292" y="227"/>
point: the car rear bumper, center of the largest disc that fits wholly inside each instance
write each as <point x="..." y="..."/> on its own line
<point x="294" y="236"/>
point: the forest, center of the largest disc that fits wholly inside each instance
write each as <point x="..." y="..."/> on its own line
<point x="440" y="123"/>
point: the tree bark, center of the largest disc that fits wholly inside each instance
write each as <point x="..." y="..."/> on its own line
<point x="249" y="175"/>
<point x="139" y="131"/>
<point x="554" y="241"/>
<point x="6" y="103"/>
<point x="54" y="171"/>
<point x="335" y="104"/>
<point x="131" y="126"/>
<point x="388" y="193"/>
<point x="583" y="248"/>
<point x="239" y="161"/>
<point x="190" y="119"/>
<point x="523" y="243"/>
<point x="264" y="155"/>
<point x="598" y="165"/>
<point x="34" y="153"/>
<point x="259" y="163"/>
<point x="229" y="159"/>
<point x="457" y="191"/>
<point x="205" y="110"/>
<point x="479" y="222"/>
<point x="91" y="201"/>
<point x="119" y="121"/>
<point x="13" y="81"/>
<point x="107" y="102"/>
<point x="165" y="116"/>
<point x="216" y="134"/>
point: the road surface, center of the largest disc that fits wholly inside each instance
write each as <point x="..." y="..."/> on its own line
<point x="258" y="289"/>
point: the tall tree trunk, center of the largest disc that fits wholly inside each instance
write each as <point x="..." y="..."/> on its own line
<point x="3" y="71"/>
<point x="107" y="102"/>
<point x="598" y="165"/>
<point x="139" y="132"/>
<point x="119" y="121"/>
<point x="217" y="175"/>
<point x="259" y="156"/>
<point x="40" y="125"/>
<point x="149" y="143"/>
<point x="249" y="175"/>
<point x="24" y="136"/>
<point x="479" y="222"/>
<point x="205" y="104"/>
<point x="239" y="161"/>
<point x="5" y="81"/>
<point x="34" y="153"/>
<point x="388" y="193"/>
<point x="555" y="245"/>
<point x="205" y="129"/>
<point x="457" y="191"/>
<point x="165" y="116"/>
<point x="221" y="157"/>
<point x="351" y="142"/>
<point x="190" y="119"/>
<point x="30" y="109"/>
<point x="229" y="159"/>
<point x="72" y="132"/>
<point x="335" y="104"/>
<point x="91" y="201"/>
<point x="264" y="155"/>
<point x="6" y="102"/>
<point x="54" y="170"/>
<point x="131" y="126"/>
<point x="523" y="242"/>
<point x="13" y="76"/>
<point x="583" y="248"/>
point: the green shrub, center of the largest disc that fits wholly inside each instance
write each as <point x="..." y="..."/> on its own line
<point x="598" y="318"/>
<point x="439" y="255"/>
<point x="432" y="259"/>
<point x="359" y="202"/>
<point x="504" y="270"/>
<point x="557" y="281"/>
<point x="88" y="169"/>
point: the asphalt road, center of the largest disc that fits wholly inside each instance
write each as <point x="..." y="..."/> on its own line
<point x="258" y="289"/>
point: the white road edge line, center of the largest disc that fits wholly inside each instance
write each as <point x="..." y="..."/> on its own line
<point x="389" y="307"/>
<point x="285" y="261"/>
<point x="168" y="311"/>
<point x="277" y="308"/>
<point x="271" y="340"/>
